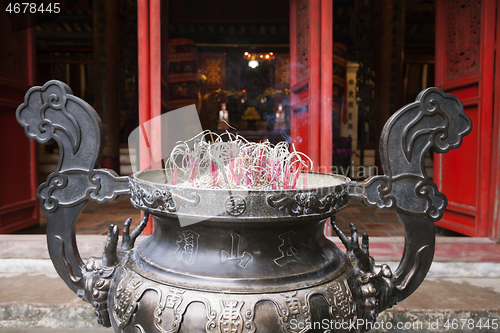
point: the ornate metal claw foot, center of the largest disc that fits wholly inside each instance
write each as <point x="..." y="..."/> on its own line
<point x="98" y="276"/>
<point x="128" y="239"/>
<point x="377" y="282"/>
<point x="111" y="252"/>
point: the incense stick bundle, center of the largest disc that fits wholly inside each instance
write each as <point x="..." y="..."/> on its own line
<point x="229" y="161"/>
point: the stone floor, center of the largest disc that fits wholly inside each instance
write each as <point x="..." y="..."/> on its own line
<point x="96" y="218"/>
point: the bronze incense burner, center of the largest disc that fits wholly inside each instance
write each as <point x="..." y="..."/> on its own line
<point x="259" y="261"/>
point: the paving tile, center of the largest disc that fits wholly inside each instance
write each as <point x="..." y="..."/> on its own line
<point x="398" y="226"/>
<point x="377" y="233"/>
<point x="350" y="210"/>
<point x="131" y="211"/>
<point x="343" y="225"/>
<point x="379" y="226"/>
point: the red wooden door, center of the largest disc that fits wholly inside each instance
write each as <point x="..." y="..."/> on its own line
<point x="465" y="42"/>
<point x="311" y="44"/>
<point x="18" y="164"/>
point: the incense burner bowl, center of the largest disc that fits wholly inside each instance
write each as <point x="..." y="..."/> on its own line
<point x="234" y="261"/>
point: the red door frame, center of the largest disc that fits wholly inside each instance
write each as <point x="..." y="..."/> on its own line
<point x="311" y="47"/>
<point x="476" y="92"/>
<point x="149" y="57"/>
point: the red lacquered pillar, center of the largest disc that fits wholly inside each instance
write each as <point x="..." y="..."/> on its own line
<point x="143" y="42"/>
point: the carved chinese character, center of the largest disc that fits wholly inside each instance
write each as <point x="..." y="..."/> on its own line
<point x="188" y="246"/>
<point x="288" y="252"/>
<point x="230" y="320"/>
<point x="293" y="305"/>
<point x="235" y="205"/>
<point x="343" y="302"/>
<point x="235" y="254"/>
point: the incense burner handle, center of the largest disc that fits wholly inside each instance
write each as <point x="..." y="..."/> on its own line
<point x="434" y="122"/>
<point x="52" y="113"/>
